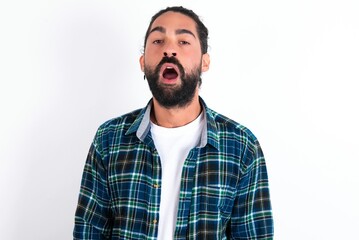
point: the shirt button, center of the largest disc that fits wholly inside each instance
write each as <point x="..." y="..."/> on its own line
<point x="156" y="185"/>
<point x="154" y="221"/>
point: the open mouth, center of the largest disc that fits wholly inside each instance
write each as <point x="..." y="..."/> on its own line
<point x="169" y="73"/>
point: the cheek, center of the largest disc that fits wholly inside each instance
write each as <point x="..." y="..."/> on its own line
<point x="191" y="57"/>
<point x="153" y="50"/>
<point x="152" y="57"/>
<point x="148" y="61"/>
<point x="192" y="62"/>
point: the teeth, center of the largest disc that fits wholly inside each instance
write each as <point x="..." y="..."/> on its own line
<point x="169" y="67"/>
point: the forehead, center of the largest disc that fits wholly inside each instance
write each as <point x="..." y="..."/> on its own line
<point x="174" y="21"/>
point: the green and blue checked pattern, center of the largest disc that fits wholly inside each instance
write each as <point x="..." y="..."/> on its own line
<point x="224" y="185"/>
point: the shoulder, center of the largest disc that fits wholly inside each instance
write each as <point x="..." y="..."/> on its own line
<point x="236" y="139"/>
<point x="228" y="126"/>
<point x="118" y="125"/>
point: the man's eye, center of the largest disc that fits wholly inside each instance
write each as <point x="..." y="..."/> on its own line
<point x="157" y="41"/>
<point x="184" y="43"/>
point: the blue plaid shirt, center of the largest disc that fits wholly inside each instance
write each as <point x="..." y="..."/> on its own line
<point x="224" y="190"/>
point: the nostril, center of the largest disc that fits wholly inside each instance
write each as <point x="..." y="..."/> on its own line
<point x="174" y="54"/>
<point x="165" y="54"/>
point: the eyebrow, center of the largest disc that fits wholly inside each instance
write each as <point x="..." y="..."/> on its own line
<point x="178" y="31"/>
<point x="185" y="31"/>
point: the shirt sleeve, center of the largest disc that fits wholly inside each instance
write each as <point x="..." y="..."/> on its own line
<point x="252" y="213"/>
<point x="93" y="213"/>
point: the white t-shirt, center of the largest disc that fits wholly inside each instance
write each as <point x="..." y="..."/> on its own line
<point x="173" y="146"/>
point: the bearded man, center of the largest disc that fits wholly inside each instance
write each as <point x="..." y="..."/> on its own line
<point x="175" y="169"/>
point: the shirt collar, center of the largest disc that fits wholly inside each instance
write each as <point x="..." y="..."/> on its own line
<point x="209" y="134"/>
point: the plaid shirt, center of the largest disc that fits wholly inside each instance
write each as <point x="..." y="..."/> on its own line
<point x="224" y="190"/>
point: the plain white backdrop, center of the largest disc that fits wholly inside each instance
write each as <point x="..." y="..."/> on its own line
<point x="288" y="70"/>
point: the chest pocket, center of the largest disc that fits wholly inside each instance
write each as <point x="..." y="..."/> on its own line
<point x="216" y="201"/>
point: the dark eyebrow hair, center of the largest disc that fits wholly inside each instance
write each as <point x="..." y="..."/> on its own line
<point x="185" y="31"/>
<point x="158" y="29"/>
<point x="178" y="31"/>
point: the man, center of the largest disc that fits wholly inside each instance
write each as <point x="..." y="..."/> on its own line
<point x="175" y="169"/>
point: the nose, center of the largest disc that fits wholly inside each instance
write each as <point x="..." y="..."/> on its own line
<point x="173" y="54"/>
<point x="170" y="47"/>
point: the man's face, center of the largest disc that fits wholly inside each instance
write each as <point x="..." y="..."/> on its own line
<point x="172" y="61"/>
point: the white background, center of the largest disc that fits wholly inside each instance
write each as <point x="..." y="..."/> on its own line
<point x="288" y="70"/>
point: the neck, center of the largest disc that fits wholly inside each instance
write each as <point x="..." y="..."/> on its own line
<point x="175" y="117"/>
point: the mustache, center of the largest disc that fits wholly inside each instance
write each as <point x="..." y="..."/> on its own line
<point x="169" y="60"/>
<point x="172" y="60"/>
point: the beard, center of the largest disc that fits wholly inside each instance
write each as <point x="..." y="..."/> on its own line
<point x="173" y="96"/>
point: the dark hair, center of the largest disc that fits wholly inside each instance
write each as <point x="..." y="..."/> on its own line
<point x="202" y="31"/>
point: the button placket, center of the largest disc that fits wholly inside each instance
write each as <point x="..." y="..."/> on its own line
<point x="155" y="193"/>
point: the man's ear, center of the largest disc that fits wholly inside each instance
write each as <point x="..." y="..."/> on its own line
<point x="142" y="63"/>
<point x="205" y="62"/>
